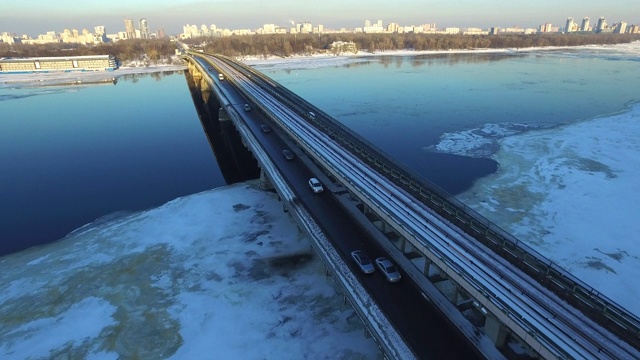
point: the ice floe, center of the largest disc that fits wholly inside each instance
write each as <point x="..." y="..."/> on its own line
<point x="221" y="274"/>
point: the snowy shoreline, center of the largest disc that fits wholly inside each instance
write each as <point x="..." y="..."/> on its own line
<point x="317" y="60"/>
<point x="79" y="77"/>
<point x="253" y="60"/>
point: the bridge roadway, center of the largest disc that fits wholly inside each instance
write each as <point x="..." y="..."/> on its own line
<point x="430" y="336"/>
<point x="560" y="331"/>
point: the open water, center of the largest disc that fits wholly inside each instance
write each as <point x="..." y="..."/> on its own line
<point x="71" y="155"/>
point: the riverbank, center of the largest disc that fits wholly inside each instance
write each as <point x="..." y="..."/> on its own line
<point x="294" y="61"/>
<point x="271" y="60"/>
<point x="80" y="77"/>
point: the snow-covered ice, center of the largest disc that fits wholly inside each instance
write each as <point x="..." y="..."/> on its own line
<point x="78" y="77"/>
<point x="221" y="274"/>
<point x="571" y="192"/>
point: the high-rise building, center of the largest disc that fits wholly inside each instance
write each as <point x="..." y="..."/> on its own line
<point x="545" y="28"/>
<point x="585" y="24"/>
<point x="129" y="29"/>
<point x="569" y="26"/>
<point x="306" y="28"/>
<point x="621" y="28"/>
<point x="144" y="29"/>
<point x="602" y="24"/>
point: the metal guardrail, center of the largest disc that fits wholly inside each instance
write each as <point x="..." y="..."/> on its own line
<point x="588" y="300"/>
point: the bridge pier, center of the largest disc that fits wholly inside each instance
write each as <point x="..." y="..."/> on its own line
<point x="223" y="116"/>
<point x="265" y="183"/>
<point x="495" y="330"/>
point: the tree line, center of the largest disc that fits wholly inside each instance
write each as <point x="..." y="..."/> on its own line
<point x="289" y="44"/>
<point x="285" y="45"/>
<point x="152" y="50"/>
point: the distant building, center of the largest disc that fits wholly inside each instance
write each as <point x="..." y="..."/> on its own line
<point x="545" y="28"/>
<point x="602" y="25"/>
<point x="338" y="47"/>
<point x="269" y="29"/>
<point x="7" y="38"/>
<point x="475" y="31"/>
<point x="569" y="25"/>
<point x="585" y="24"/>
<point x="144" y="29"/>
<point x="621" y="28"/>
<point x="100" y="35"/>
<point x="513" y="30"/>
<point x="494" y="30"/>
<point x="58" y="64"/>
<point x="373" y="28"/>
<point x="306" y="28"/>
<point x="129" y="29"/>
<point x="431" y="27"/>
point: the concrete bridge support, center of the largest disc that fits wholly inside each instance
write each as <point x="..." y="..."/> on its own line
<point x="495" y="331"/>
<point x="223" y="116"/>
<point x="265" y="183"/>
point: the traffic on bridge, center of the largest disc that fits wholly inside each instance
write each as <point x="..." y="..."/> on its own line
<point x="446" y="273"/>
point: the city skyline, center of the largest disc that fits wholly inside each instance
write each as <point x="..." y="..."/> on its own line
<point x="172" y="15"/>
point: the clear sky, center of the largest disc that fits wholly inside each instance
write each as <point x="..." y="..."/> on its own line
<point x="34" y="17"/>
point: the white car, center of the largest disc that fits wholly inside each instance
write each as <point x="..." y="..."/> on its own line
<point x="315" y="185"/>
<point x="365" y="265"/>
<point x="388" y="269"/>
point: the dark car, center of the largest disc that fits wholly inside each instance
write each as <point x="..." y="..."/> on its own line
<point x="210" y="68"/>
<point x="288" y="154"/>
<point x="247" y="107"/>
<point x="265" y="128"/>
<point x="365" y="265"/>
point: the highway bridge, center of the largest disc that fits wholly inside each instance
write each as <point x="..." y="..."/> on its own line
<point x="463" y="277"/>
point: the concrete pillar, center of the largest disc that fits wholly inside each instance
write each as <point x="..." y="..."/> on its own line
<point x="265" y="184"/>
<point x="222" y="115"/>
<point x="454" y="294"/>
<point x="494" y="329"/>
<point x="427" y="264"/>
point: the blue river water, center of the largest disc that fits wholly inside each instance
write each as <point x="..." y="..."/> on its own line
<point x="74" y="154"/>
<point x="71" y="155"/>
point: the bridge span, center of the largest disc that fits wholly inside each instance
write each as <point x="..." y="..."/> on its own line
<point x="495" y="291"/>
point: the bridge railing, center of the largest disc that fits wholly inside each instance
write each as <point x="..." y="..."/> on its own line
<point x="591" y="302"/>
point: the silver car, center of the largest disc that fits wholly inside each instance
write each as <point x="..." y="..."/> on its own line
<point x="315" y="185"/>
<point x="365" y="265"/>
<point x="388" y="269"/>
